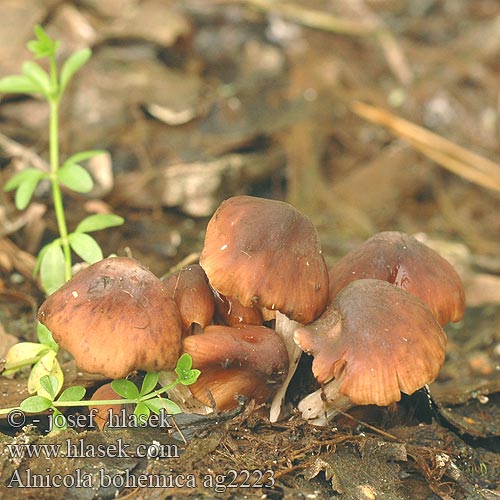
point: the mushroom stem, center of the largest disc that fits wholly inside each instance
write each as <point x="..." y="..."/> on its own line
<point x="322" y="405"/>
<point x="285" y="328"/>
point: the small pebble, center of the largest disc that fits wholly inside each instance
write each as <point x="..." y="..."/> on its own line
<point x="481" y="363"/>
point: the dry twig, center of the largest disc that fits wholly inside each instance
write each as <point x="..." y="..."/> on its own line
<point x="455" y="158"/>
<point x="16" y="150"/>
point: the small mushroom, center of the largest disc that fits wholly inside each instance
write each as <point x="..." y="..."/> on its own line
<point x="249" y="361"/>
<point x="103" y="412"/>
<point x="190" y="289"/>
<point x="232" y="313"/>
<point x="400" y="259"/>
<point x="266" y="253"/>
<point x="372" y="343"/>
<point x="115" y="317"/>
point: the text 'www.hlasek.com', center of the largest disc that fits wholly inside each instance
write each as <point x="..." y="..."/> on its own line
<point x="71" y="462"/>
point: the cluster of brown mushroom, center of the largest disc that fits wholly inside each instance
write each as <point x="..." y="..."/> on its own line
<point x="261" y="295"/>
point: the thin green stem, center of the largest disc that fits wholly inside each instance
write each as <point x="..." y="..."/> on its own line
<point x="102" y="402"/>
<point x="54" y="167"/>
<point x="97" y="402"/>
<point x="153" y="394"/>
<point x="14" y="367"/>
<point x="69" y="404"/>
<point x="56" y="190"/>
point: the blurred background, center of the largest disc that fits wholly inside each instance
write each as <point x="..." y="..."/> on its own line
<point x="200" y="100"/>
<point x="367" y="115"/>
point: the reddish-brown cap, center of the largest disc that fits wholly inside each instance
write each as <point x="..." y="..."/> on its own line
<point x="400" y="259"/>
<point x="248" y="360"/>
<point x="115" y="317"/>
<point x="222" y="387"/>
<point x="102" y="412"/>
<point x="266" y="252"/>
<point x="231" y="312"/>
<point x="190" y="289"/>
<point x="378" y="339"/>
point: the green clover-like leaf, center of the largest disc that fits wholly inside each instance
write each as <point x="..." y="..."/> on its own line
<point x="43" y="46"/>
<point x="149" y="382"/>
<point x="52" y="267"/>
<point x="142" y="412"/>
<point x="19" y="84"/>
<point x="157" y="405"/>
<point x="83" y="155"/>
<point x="190" y="377"/>
<point x="41" y="254"/>
<point x="72" y="65"/>
<point x="73" y="393"/>
<point x="125" y="388"/>
<point x="50" y="385"/>
<point x="16" y="180"/>
<point x="25" y="182"/>
<point x="38" y="76"/>
<point x="45" y="336"/>
<point x="184" y="363"/>
<point x="185" y="373"/>
<point x="46" y="366"/>
<point x="96" y="222"/>
<point x="25" y="190"/>
<point x="59" y="422"/>
<point x="23" y="354"/>
<point x="85" y="247"/>
<point x="76" y="178"/>
<point x="35" y="404"/>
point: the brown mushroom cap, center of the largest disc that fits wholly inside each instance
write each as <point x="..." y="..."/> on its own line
<point x="378" y="339"/>
<point x="402" y="260"/>
<point x="222" y="387"/>
<point x="231" y="312"/>
<point x="115" y="317"/>
<point x="266" y="252"/>
<point x="102" y="412"/>
<point x="248" y="360"/>
<point x="190" y="289"/>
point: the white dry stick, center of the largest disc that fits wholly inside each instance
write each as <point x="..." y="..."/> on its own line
<point x="285" y="327"/>
<point x="319" y="407"/>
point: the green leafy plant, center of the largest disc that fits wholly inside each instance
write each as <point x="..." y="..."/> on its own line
<point x="146" y="399"/>
<point x="54" y="259"/>
<point x="40" y="356"/>
<point x="54" y="262"/>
